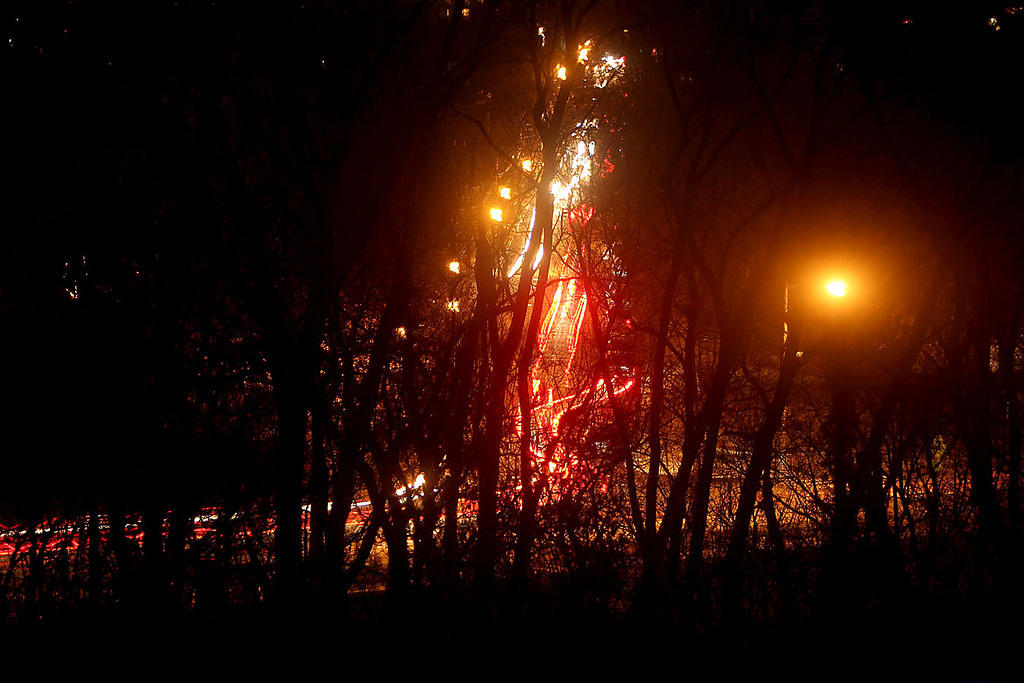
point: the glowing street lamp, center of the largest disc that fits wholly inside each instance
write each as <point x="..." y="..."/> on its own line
<point x="496" y="214"/>
<point x="836" y="288"/>
<point x="505" y="193"/>
<point x="455" y="267"/>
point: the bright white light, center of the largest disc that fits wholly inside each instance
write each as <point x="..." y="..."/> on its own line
<point x="560" y="191"/>
<point x="836" y="288"/>
<point x="540" y="254"/>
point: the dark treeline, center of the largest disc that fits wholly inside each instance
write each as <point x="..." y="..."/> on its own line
<point x="515" y="308"/>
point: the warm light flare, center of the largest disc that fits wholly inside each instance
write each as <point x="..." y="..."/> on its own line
<point x="836" y="288"/>
<point x="540" y="255"/>
<point x="560" y="191"/>
<point x="416" y="484"/>
<point x="496" y="214"/>
<point x="556" y="402"/>
<point x="455" y="267"/>
<point x="584" y="53"/>
<point x="505" y="193"/>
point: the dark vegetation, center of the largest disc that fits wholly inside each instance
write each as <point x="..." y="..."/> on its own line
<point x="245" y="390"/>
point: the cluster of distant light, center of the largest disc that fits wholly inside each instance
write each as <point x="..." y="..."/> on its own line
<point x="1009" y="10"/>
<point x="465" y="12"/>
<point x="992" y="21"/>
<point x="557" y="464"/>
<point x="565" y="315"/>
<point x="581" y="147"/>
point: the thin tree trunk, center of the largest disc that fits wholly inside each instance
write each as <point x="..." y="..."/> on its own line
<point x="701" y="502"/>
<point x="176" y="550"/>
<point x="758" y="473"/>
<point x="396" y="537"/>
<point x="342" y="484"/>
<point x="290" y="457"/>
<point x="456" y="449"/>
<point x="978" y="443"/>
<point x="601" y="342"/>
<point x="152" y="550"/>
<point x="763" y="451"/>
<point x="121" y="569"/>
<point x="318" y="484"/>
<point x="657" y="403"/>
<point x="778" y="543"/>
<point x="222" y="558"/>
<point x="675" y="507"/>
<point x="94" y="559"/>
<point x="1007" y="353"/>
<point x="524" y="387"/>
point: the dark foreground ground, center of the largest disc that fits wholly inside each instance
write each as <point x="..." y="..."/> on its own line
<point x="429" y="640"/>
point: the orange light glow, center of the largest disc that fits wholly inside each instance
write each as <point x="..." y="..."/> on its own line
<point x="455" y="267"/>
<point x="836" y="288"/>
<point x="551" y="415"/>
<point x="584" y="53"/>
<point x="416" y="484"/>
<point x="522" y="255"/>
<point x="560" y="191"/>
<point x="496" y="214"/>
